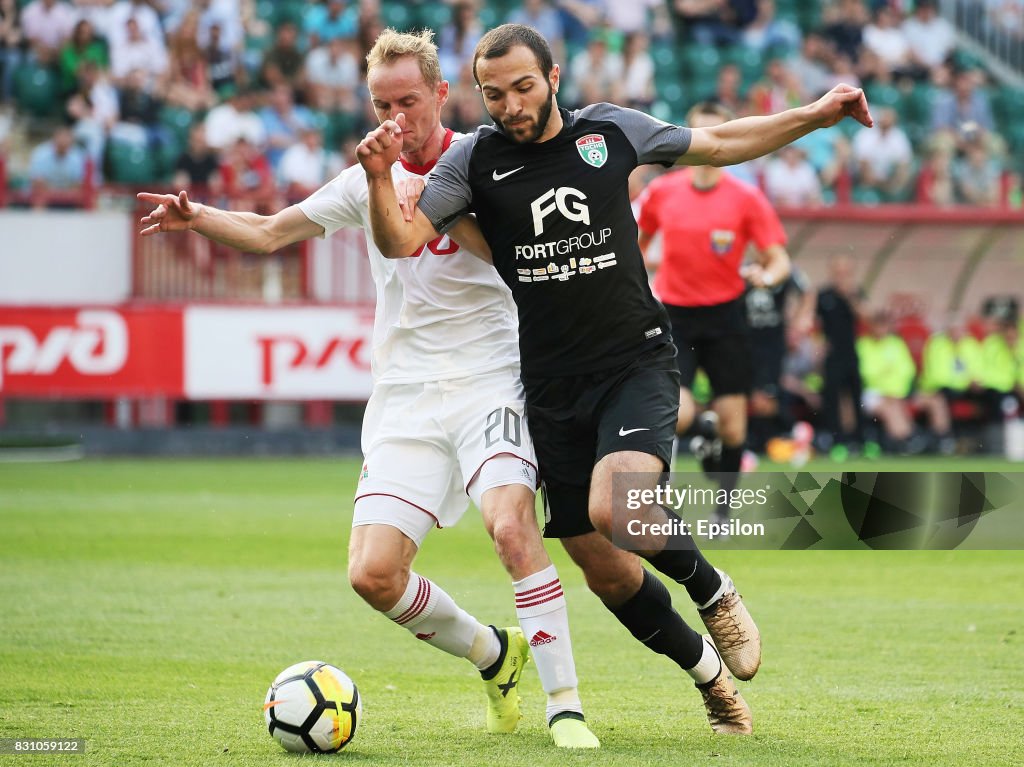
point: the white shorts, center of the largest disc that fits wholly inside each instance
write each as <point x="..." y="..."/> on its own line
<point x="424" y="445"/>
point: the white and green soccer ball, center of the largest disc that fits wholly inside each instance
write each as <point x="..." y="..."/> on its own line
<point x="313" y="707"/>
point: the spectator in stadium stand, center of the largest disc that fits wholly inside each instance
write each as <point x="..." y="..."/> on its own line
<point x="935" y="181"/>
<point x="768" y="32"/>
<point x="840" y="305"/>
<point x="332" y="77"/>
<point x="93" y="110"/>
<point x="712" y="22"/>
<point x="931" y="38"/>
<point x="198" y="166"/>
<point x="640" y="16"/>
<point x="885" y="46"/>
<point x="790" y="181"/>
<point x="828" y="152"/>
<point x="56" y="165"/>
<point x="770" y="313"/>
<point x="883" y="157"/>
<point x="728" y="90"/>
<point x="137" y="52"/>
<point x="283" y="62"/>
<point x="83" y="45"/>
<point x="283" y="121"/>
<point x="540" y="15"/>
<point x="843" y="70"/>
<point x="139" y="105"/>
<point x="777" y="91"/>
<point x="226" y="15"/>
<point x="324" y="20"/>
<point x="46" y="24"/>
<point x="188" y="83"/>
<point x="950" y="371"/>
<point x="306" y="165"/>
<point x="145" y="16"/>
<point x="10" y="46"/>
<point x="232" y="119"/>
<point x="370" y="27"/>
<point x="97" y="13"/>
<point x="579" y="17"/>
<point x="887" y="373"/>
<point x="638" y="72"/>
<point x="978" y="176"/>
<point x="961" y="112"/>
<point x="248" y="177"/>
<point x="811" y="67"/>
<point x="458" y="38"/>
<point x="595" y="72"/>
<point x="844" y="23"/>
<point x="224" y="64"/>
<point x="706" y="218"/>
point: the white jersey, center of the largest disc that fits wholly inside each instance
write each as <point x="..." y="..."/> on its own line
<point x="441" y="315"/>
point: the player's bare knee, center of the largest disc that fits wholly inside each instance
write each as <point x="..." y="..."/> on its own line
<point x="515" y="540"/>
<point x="602" y="517"/>
<point x="379" y="584"/>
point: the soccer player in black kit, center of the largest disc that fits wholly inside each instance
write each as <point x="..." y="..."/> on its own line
<point x="549" y="191"/>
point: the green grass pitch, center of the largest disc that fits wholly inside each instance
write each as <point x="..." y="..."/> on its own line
<point x="146" y="605"/>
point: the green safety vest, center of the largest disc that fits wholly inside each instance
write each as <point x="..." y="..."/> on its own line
<point x="999" y="368"/>
<point x="949" y="364"/>
<point x="886" y="365"/>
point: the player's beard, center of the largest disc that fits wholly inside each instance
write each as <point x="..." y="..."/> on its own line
<point x="538" y="127"/>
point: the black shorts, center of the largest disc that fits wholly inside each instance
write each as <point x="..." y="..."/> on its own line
<point x="576" y="421"/>
<point x="713" y="338"/>
<point x="767" y="352"/>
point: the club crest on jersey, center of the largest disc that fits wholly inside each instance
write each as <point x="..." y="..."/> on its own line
<point x="592" y="149"/>
<point x="722" y="240"/>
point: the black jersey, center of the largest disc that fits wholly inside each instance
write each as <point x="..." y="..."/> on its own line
<point x="562" y="233"/>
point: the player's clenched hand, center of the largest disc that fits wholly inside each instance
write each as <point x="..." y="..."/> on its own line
<point x="842" y="101"/>
<point x="408" y="191"/>
<point x="172" y="213"/>
<point x="381" y="147"/>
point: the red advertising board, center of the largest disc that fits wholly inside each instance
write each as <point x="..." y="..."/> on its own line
<point x="91" y="352"/>
<point x="195" y="352"/>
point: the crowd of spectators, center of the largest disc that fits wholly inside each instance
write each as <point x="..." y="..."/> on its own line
<point x="131" y="77"/>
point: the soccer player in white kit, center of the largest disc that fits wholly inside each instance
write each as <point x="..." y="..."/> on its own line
<point x="446" y="419"/>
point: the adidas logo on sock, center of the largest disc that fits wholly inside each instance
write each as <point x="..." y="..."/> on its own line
<point x="542" y="637"/>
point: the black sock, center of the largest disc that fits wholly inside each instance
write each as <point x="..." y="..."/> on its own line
<point x="651" y="619"/>
<point x="728" y="474"/>
<point x="682" y="561"/>
<point x="711" y="464"/>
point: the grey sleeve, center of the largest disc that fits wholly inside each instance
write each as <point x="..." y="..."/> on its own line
<point x="448" y="195"/>
<point x="799" y="280"/>
<point x="653" y="140"/>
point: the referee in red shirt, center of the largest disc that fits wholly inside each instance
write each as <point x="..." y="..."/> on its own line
<point x="706" y="218"/>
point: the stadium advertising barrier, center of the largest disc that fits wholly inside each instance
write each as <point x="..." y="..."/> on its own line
<point x="194" y="352"/>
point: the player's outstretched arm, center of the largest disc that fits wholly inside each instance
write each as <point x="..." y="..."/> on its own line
<point x="744" y="139"/>
<point x="466" y="230"/>
<point x="249" y="232"/>
<point x="394" y="236"/>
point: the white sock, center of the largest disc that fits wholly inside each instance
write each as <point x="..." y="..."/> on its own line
<point x="540" y="607"/>
<point x="709" y="666"/>
<point x="727" y="586"/>
<point x="431" y="615"/>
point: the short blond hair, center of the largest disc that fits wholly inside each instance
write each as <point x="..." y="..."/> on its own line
<point x="392" y="45"/>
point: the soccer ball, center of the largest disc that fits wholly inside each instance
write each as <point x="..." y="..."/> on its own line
<point x="313" y="707"/>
